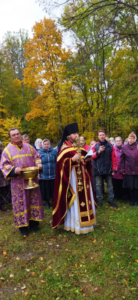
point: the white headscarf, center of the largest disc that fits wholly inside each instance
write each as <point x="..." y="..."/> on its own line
<point x="36" y="144"/>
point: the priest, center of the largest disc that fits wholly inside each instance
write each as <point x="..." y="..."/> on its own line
<point x="27" y="204"/>
<point x="73" y="202"/>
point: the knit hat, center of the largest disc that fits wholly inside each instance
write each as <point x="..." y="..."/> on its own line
<point x="132" y="135"/>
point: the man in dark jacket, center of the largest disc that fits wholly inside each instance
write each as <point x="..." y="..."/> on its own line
<point x="105" y="165"/>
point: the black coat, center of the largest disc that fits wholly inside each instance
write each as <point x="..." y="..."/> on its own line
<point x="103" y="162"/>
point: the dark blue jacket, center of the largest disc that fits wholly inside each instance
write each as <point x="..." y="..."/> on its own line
<point x="48" y="159"/>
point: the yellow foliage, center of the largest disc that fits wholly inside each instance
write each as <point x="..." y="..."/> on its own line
<point x="46" y="71"/>
<point x="94" y="98"/>
<point x="4" y="129"/>
<point x="1" y="96"/>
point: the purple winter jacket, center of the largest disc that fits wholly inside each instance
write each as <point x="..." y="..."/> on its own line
<point x="118" y="152"/>
<point x="129" y="159"/>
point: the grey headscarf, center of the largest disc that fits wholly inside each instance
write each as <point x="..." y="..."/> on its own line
<point x="46" y="140"/>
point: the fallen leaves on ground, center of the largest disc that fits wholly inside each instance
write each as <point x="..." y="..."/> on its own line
<point x="41" y="258"/>
<point x="23" y="287"/>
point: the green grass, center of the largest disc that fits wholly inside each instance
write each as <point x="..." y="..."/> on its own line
<point x="55" y="264"/>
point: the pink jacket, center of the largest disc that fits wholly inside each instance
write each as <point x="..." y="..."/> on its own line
<point x="118" y="152"/>
<point x="86" y="147"/>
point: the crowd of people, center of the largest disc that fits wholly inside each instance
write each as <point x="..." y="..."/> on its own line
<point x="116" y="163"/>
<point x="68" y="181"/>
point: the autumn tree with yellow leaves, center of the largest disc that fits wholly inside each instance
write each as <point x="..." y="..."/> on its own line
<point x="47" y="73"/>
<point x="95" y="86"/>
<point x="14" y="95"/>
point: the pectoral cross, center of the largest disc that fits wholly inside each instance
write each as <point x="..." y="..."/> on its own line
<point x="78" y="145"/>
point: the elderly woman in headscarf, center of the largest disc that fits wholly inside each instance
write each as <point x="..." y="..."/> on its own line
<point x="38" y="144"/>
<point x="47" y="178"/>
<point x="119" y="192"/>
<point x="129" y="167"/>
<point x="5" y="193"/>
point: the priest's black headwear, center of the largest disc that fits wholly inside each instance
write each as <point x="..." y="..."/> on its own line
<point x="69" y="129"/>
